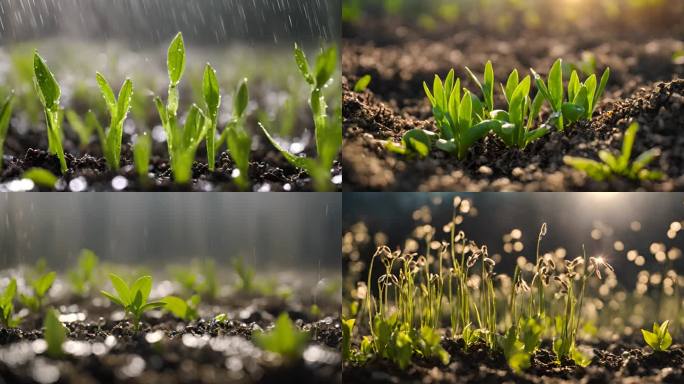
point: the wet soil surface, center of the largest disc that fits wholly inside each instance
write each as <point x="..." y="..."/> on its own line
<point x="167" y="350"/>
<point x="646" y="85"/>
<point x="268" y="169"/>
<point x="621" y="362"/>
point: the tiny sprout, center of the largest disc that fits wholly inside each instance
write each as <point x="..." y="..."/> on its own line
<point x="183" y="309"/>
<point x="362" y="83"/>
<point x="133" y="298"/>
<point x="40" y="287"/>
<point x="118" y="110"/>
<point x="284" y="339"/>
<point x="49" y="92"/>
<point x="7" y="317"/>
<point x="660" y="339"/>
<point x="54" y="334"/>
<point x="619" y="166"/>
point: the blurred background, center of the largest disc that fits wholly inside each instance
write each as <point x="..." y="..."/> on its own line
<point x="271" y="232"/>
<point x="129" y="38"/>
<point x="517" y="15"/>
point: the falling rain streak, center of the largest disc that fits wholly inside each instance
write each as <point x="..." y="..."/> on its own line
<point x="151" y="21"/>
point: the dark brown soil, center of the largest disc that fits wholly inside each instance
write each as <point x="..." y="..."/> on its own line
<point x="646" y="85"/>
<point x="168" y="350"/>
<point x="621" y="362"/>
<point x="268" y="169"/>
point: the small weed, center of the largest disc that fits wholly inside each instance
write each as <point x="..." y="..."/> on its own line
<point x="284" y="339"/>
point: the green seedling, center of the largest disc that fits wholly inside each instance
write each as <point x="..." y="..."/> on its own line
<point x="459" y="118"/>
<point x="7" y="317"/>
<point x="612" y="166"/>
<point x="183" y="309"/>
<point x="182" y="143"/>
<point x="238" y="141"/>
<point x="660" y="339"/>
<point x="221" y="318"/>
<point x="347" y="329"/>
<point x="362" y="83"/>
<point x="118" y="110"/>
<point x="55" y="333"/>
<point x="416" y="141"/>
<point x="40" y="287"/>
<point x="48" y="90"/>
<point x="516" y="128"/>
<point x="245" y="274"/>
<point x="514" y="350"/>
<point x="328" y="129"/>
<point x="486" y="87"/>
<point x="133" y="298"/>
<point x="5" y="116"/>
<point x="212" y="100"/>
<point x="427" y="344"/>
<point x="582" y="98"/>
<point x="284" y="339"/>
<point x="41" y="177"/>
<point x="200" y="278"/>
<point x="82" y="129"/>
<point x="142" y="151"/>
<point x="83" y="278"/>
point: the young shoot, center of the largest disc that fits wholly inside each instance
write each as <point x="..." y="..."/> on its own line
<point x="582" y="98"/>
<point x="82" y="278"/>
<point x="328" y="129"/>
<point x="362" y="84"/>
<point x="182" y="143"/>
<point x="212" y="101"/>
<point x="118" y="110"/>
<point x="517" y="123"/>
<point x="82" y="128"/>
<point x="49" y="93"/>
<point x="54" y="333"/>
<point x="611" y="166"/>
<point x="133" y="298"/>
<point x="40" y="288"/>
<point x="7" y="317"/>
<point x="416" y="141"/>
<point x="237" y="139"/>
<point x="5" y="116"/>
<point x="284" y="339"/>
<point x="182" y="309"/>
<point x="245" y="274"/>
<point x="660" y="339"/>
<point x="459" y="118"/>
<point x="347" y="329"/>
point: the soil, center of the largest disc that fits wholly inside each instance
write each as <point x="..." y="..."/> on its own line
<point x="624" y="361"/>
<point x="268" y="169"/>
<point x="165" y="349"/>
<point x="646" y="85"/>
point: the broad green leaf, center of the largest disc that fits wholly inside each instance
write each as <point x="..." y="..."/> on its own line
<point x="121" y="289"/>
<point x="417" y="140"/>
<point x="582" y="100"/>
<point x="107" y="93"/>
<point x="651" y="339"/>
<point x="177" y="306"/>
<point x="572" y="112"/>
<point x="143" y="285"/>
<point x="573" y="86"/>
<point x="176" y="59"/>
<point x="10" y="291"/>
<point x="284" y="339"/>
<point x="429" y="94"/>
<point x="55" y="334"/>
<point x="465" y="112"/>
<point x="488" y="90"/>
<point x="438" y="92"/>
<point x="611" y="161"/>
<point x="45" y="83"/>
<point x="449" y="84"/>
<point x="535" y="109"/>
<point x="325" y="66"/>
<point x="475" y="133"/>
<point x="41" y="177"/>
<point x="241" y="99"/>
<point x="151" y="305"/>
<point x="43" y="284"/>
<point x="142" y="150"/>
<point x="448" y="146"/>
<point x="593" y="168"/>
<point x="113" y="298"/>
<point x="500" y="115"/>
<point x="210" y="91"/>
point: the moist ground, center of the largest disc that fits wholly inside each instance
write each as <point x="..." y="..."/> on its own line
<point x="646" y="86"/>
<point x="168" y="350"/>
<point x="620" y="362"/>
<point x="268" y="169"/>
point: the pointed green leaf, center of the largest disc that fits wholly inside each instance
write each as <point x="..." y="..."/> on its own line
<point x="241" y="99"/>
<point x="107" y="93"/>
<point x="556" y="83"/>
<point x="210" y="91"/>
<point x="303" y="65"/>
<point x="511" y="85"/>
<point x="627" y="144"/>
<point x="45" y="83"/>
<point x="121" y="289"/>
<point x="143" y="285"/>
<point x="176" y="59"/>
